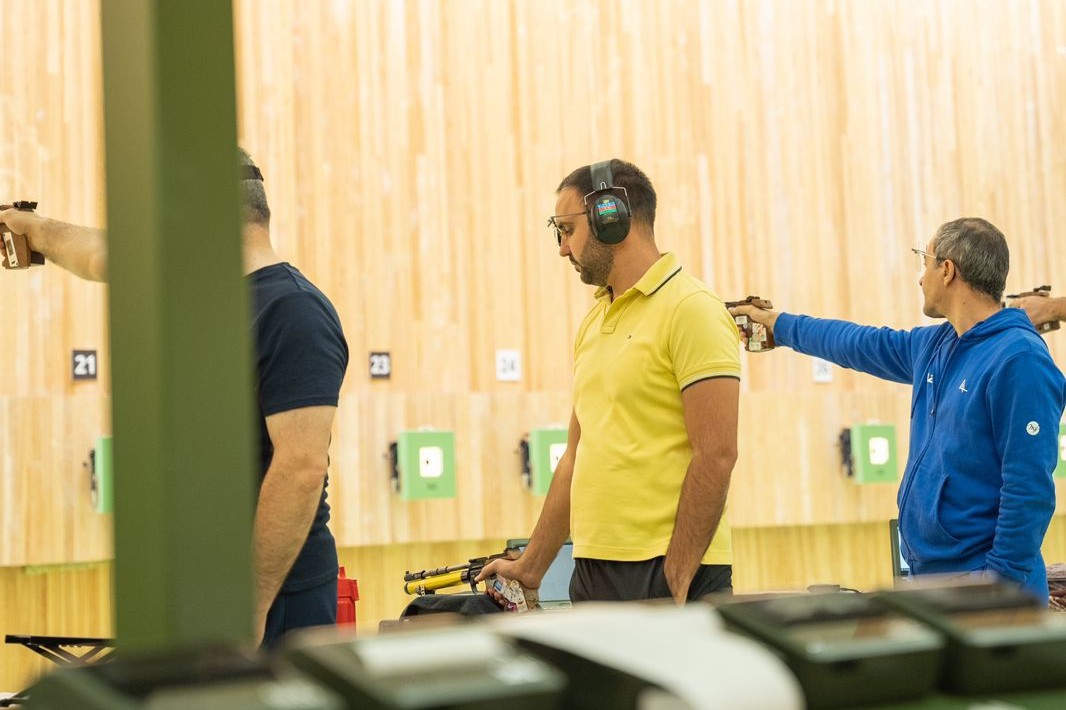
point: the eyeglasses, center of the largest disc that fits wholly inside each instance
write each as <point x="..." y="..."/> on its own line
<point x="922" y="254"/>
<point x="562" y="229"/>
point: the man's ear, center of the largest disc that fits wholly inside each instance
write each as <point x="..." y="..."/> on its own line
<point x="950" y="272"/>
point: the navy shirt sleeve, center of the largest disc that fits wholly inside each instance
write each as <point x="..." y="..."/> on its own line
<point x="302" y="354"/>
<point x="301" y="359"/>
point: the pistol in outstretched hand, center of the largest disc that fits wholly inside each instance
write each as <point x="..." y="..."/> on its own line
<point x="16" y="248"/>
<point x="757" y="337"/>
<point x="1043" y="291"/>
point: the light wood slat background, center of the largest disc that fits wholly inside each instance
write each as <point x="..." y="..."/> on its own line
<point x="51" y="150"/>
<point x="46" y="506"/>
<point x="411" y="150"/>
<point x="857" y="555"/>
<point x="488" y="428"/>
<point x="70" y="600"/>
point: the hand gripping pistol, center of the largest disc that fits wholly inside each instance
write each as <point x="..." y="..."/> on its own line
<point x="759" y="338"/>
<point x="17" y="252"/>
<point x="1044" y="291"/>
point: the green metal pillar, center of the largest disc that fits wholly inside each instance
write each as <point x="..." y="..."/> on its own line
<point x="181" y="363"/>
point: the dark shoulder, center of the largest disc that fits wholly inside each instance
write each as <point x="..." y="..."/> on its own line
<point x="283" y="283"/>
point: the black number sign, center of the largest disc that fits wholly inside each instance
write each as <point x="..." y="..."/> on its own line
<point x="83" y="365"/>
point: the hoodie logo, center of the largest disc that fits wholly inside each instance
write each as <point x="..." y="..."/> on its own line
<point x="929" y="378"/>
<point x="1033" y="428"/>
<point x="962" y="387"/>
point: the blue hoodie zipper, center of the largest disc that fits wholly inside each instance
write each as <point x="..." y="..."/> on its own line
<point x="937" y="389"/>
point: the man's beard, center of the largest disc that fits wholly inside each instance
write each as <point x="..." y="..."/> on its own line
<point x="596" y="263"/>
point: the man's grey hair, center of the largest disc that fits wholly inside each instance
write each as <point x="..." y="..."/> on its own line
<point x="979" y="252"/>
<point x="253" y="194"/>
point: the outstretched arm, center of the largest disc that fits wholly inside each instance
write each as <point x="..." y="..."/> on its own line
<point x="882" y="352"/>
<point x="1042" y="309"/>
<point x="80" y="250"/>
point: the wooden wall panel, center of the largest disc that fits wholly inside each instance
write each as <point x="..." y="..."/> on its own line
<point x="66" y="600"/>
<point x="799" y="148"/>
<point x="790" y="472"/>
<point x="51" y="151"/>
<point x="411" y="171"/>
<point x="858" y="556"/>
<point x="488" y="429"/>
<point x="46" y="511"/>
<point x="791" y="558"/>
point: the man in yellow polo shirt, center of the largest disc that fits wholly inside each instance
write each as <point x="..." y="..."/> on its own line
<point x="653" y="434"/>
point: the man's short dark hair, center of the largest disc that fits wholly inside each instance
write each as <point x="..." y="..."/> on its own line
<point x="979" y="252"/>
<point x="642" y="199"/>
<point x="253" y="194"/>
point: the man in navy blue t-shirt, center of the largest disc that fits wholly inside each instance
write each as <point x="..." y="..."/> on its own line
<point x="301" y="356"/>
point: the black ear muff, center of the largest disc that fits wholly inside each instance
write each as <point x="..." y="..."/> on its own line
<point x="607" y="206"/>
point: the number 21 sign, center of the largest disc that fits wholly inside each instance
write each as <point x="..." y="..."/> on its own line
<point x="83" y="365"/>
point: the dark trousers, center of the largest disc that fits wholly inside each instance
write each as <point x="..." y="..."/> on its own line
<point x="316" y="606"/>
<point x="606" y="580"/>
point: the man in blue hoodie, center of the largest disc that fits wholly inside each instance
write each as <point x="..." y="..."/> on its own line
<point x="977" y="493"/>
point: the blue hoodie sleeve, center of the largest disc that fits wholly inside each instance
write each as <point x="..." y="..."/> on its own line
<point x="882" y="352"/>
<point x="1026" y="401"/>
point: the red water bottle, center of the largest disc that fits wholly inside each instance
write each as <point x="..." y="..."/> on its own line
<point x="347" y="596"/>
